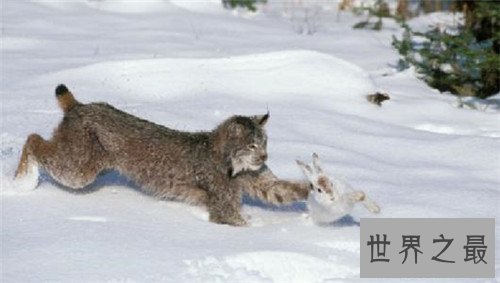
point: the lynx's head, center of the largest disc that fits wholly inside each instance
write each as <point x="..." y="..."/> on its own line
<point x="241" y="142"/>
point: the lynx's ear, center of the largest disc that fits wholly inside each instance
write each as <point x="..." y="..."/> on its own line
<point x="261" y="119"/>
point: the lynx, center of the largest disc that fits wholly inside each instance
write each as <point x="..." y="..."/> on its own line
<point x="212" y="168"/>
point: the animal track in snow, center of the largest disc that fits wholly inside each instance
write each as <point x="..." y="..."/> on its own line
<point x="268" y="266"/>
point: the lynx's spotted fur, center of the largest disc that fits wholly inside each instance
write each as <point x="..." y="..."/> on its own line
<point x="212" y="168"/>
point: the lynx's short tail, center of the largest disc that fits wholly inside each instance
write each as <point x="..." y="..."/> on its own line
<point x="65" y="98"/>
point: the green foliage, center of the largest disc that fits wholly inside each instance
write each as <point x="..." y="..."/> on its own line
<point x="465" y="62"/>
<point x="360" y="25"/>
<point x="378" y="25"/>
<point x="249" y="4"/>
<point x="380" y="10"/>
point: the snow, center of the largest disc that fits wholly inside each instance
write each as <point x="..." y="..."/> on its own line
<point x="154" y="79"/>
<point x="189" y="65"/>
<point x="436" y="19"/>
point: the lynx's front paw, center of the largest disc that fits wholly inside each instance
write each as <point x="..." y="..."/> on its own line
<point x="236" y="220"/>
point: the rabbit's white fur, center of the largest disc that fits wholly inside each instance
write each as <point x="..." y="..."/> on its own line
<point x="325" y="209"/>
<point x="330" y="200"/>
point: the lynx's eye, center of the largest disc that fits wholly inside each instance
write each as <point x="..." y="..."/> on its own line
<point x="252" y="146"/>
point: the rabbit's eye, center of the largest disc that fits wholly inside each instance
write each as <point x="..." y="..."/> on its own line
<point x="319" y="190"/>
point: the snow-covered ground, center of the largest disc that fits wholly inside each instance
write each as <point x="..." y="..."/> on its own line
<point x="189" y="65"/>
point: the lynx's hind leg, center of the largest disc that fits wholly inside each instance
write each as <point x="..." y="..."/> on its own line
<point x="34" y="142"/>
<point x="73" y="158"/>
<point x="79" y="158"/>
<point x="27" y="172"/>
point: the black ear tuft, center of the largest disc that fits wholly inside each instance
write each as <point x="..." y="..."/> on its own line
<point x="61" y="89"/>
<point x="261" y="120"/>
<point x="264" y="119"/>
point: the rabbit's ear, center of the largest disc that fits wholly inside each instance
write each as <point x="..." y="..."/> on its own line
<point x="306" y="169"/>
<point x="317" y="163"/>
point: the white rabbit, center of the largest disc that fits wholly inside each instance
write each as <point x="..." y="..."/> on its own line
<point x="329" y="201"/>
